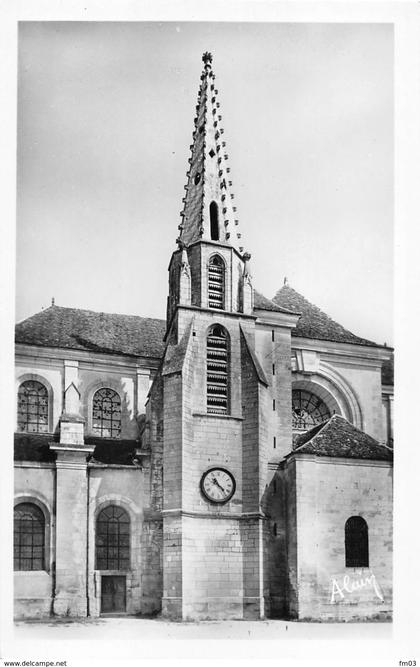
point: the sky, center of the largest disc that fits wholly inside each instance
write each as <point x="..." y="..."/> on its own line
<point x="105" y="121"/>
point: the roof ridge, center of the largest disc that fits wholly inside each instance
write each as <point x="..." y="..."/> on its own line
<point x="315" y="434"/>
<point x="88" y="310"/>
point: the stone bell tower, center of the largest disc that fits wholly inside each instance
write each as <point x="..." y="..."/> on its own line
<point x="210" y="398"/>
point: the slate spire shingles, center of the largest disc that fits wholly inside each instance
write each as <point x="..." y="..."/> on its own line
<point x="208" y="177"/>
<point x="314" y="323"/>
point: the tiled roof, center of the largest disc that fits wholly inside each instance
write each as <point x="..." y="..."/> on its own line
<point x="93" y="332"/>
<point x="261" y="302"/>
<point x="34" y="447"/>
<point x="114" y="452"/>
<point x="338" y="438"/>
<point x="314" y="323"/>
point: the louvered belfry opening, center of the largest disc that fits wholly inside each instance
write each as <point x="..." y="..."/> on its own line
<point x="216" y="283"/>
<point x="217" y="371"/>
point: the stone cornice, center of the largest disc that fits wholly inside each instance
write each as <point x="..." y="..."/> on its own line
<point x="34" y="464"/>
<point x="61" y="354"/>
<point x="336" y="460"/>
<point x="346" y="350"/>
<point x="193" y="514"/>
<point x="217" y="416"/>
<point x="273" y="318"/>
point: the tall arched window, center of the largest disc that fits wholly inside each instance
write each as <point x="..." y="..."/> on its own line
<point x="33" y="407"/>
<point x="217" y="370"/>
<point x="113" y="539"/>
<point x="216" y="283"/>
<point x="356" y="542"/>
<point x="28" y="537"/>
<point x="214" y="221"/>
<point x="106" y="415"/>
<point x="307" y="410"/>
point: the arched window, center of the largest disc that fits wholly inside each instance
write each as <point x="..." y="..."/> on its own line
<point x="214" y="221"/>
<point x="106" y="415"/>
<point x="217" y="371"/>
<point x="216" y="283"/>
<point x="307" y="410"/>
<point x="28" y="537"/>
<point x="113" y="539"/>
<point x="33" y="407"/>
<point x="356" y="542"/>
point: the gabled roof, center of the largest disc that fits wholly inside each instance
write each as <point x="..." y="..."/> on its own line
<point x="314" y="323"/>
<point x="338" y="438"/>
<point x="93" y="332"/>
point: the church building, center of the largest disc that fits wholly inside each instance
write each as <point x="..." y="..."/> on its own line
<point x="233" y="461"/>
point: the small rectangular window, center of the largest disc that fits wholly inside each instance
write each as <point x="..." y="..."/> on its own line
<point x="274" y="403"/>
<point x="274" y="369"/>
<point x="274" y="442"/>
<point x="272" y="335"/>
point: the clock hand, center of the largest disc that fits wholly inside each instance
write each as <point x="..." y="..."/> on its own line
<point x="214" y="480"/>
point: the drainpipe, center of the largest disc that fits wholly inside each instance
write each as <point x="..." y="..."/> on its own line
<point x="87" y="540"/>
<point x="53" y="542"/>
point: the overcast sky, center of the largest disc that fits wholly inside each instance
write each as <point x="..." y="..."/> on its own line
<point x="105" y="120"/>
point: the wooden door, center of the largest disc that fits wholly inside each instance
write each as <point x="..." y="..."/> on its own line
<point x="113" y="594"/>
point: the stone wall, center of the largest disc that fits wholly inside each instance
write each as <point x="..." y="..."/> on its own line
<point x="328" y="492"/>
<point x="34" y="590"/>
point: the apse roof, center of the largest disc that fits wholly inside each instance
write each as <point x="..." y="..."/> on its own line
<point x="338" y="438"/>
<point x="314" y="323"/>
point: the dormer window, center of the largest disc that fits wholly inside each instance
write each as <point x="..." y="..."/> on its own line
<point x="216" y="286"/>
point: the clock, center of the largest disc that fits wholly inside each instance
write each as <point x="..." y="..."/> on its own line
<point x="218" y="485"/>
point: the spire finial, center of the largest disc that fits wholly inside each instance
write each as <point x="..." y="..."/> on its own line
<point x="285" y="281"/>
<point x="207" y="58"/>
<point x="53" y="301"/>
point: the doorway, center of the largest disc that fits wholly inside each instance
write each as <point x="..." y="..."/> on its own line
<point x="113" y="594"/>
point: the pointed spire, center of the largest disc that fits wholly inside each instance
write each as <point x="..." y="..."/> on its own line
<point x="209" y="212"/>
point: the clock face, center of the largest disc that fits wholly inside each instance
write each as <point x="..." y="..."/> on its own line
<point x="218" y="485"/>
